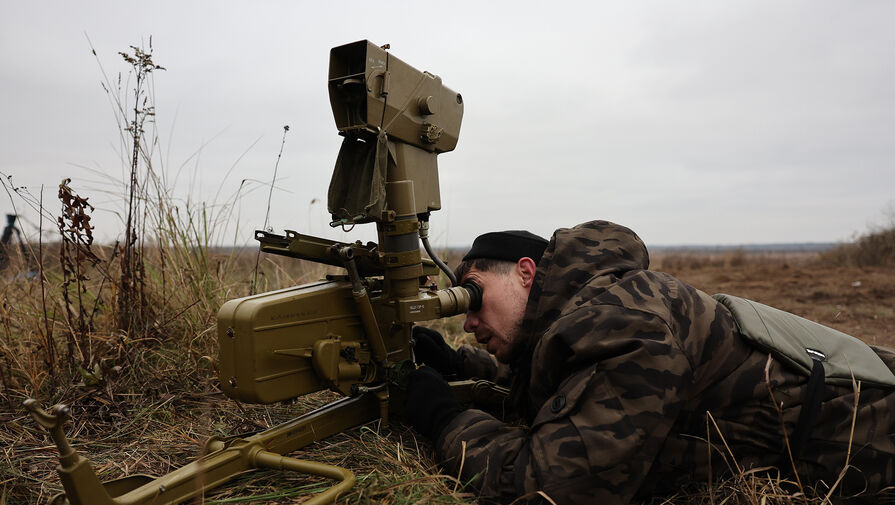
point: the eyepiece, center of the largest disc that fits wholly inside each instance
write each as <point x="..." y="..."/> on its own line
<point x="459" y="299"/>
<point x="475" y="295"/>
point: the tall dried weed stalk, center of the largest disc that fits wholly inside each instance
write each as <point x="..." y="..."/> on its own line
<point x="132" y="297"/>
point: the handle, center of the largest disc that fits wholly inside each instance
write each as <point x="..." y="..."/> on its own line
<point x="266" y="459"/>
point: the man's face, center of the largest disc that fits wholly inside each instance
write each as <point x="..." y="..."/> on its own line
<point x="497" y="324"/>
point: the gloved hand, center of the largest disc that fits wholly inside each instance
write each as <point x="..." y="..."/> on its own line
<point x="431" y="349"/>
<point x="430" y="404"/>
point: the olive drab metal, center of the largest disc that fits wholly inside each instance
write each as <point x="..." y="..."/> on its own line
<point x="350" y="333"/>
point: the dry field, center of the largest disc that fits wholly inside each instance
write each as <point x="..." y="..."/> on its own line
<point x="148" y="403"/>
<point x="858" y="300"/>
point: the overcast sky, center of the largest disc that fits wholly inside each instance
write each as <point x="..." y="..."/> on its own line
<point x="690" y="122"/>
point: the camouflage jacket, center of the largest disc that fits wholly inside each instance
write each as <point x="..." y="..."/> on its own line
<point x="628" y="379"/>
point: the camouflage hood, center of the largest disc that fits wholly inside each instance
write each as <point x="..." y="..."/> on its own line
<point x="595" y="254"/>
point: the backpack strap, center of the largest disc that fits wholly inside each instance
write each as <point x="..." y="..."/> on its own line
<point x="814" y="396"/>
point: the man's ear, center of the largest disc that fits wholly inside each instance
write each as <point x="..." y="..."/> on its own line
<point x="526" y="269"/>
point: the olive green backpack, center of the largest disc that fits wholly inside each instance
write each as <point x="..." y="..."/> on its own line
<point x="799" y="342"/>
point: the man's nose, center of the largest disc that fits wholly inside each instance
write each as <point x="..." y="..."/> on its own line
<point x="471" y="322"/>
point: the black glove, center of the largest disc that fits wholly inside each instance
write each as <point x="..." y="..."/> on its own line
<point x="430" y="403"/>
<point x="431" y="349"/>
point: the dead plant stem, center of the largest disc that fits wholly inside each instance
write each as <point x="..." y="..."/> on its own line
<point x="267" y="213"/>
<point x="708" y="443"/>
<point x="48" y="335"/>
<point x="857" y="388"/>
<point x="7" y="390"/>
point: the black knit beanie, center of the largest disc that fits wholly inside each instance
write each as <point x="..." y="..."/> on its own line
<point x="511" y="245"/>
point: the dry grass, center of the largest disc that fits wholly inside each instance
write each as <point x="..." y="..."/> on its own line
<point x="140" y="404"/>
<point x="154" y="412"/>
<point x="146" y="404"/>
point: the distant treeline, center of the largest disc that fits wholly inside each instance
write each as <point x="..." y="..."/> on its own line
<point x="876" y="248"/>
<point x="795" y="247"/>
